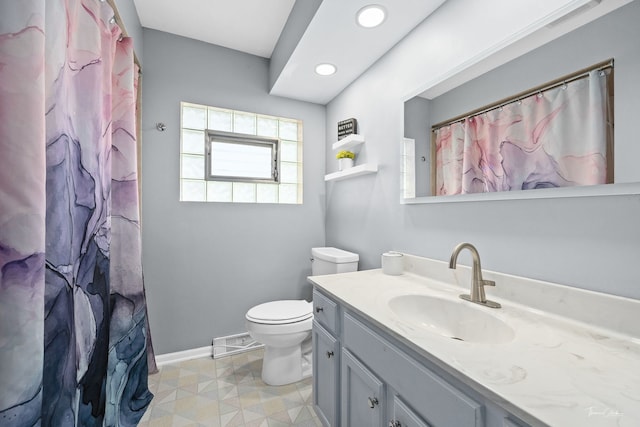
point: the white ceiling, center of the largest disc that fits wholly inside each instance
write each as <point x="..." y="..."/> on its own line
<point x="332" y="35"/>
<point x="253" y="26"/>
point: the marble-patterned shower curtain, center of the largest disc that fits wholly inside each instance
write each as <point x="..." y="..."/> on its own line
<point x="556" y="138"/>
<point x="73" y="331"/>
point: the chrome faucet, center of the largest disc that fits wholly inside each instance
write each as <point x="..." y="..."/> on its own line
<point x="477" y="282"/>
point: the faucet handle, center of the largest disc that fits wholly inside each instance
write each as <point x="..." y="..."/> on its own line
<point x="488" y="283"/>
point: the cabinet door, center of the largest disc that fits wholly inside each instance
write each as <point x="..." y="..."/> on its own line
<point x="403" y="416"/>
<point x="363" y="399"/>
<point x="326" y="352"/>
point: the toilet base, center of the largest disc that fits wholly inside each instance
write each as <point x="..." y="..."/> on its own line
<point x="285" y="365"/>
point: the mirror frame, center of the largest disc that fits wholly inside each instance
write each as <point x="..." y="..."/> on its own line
<point x="616" y="189"/>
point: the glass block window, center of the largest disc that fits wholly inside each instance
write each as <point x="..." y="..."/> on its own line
<point x="209" y="135"/>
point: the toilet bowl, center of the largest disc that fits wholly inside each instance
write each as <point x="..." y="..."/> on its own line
<point x="284" y="327"/>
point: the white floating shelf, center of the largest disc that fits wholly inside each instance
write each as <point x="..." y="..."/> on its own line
<point x="349" y="142"/>
<point x="352" y="172"/>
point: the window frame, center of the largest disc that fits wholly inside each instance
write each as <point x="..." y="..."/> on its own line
<point x="242" y="139"/>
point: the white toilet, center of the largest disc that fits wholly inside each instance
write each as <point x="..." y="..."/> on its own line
<point x="284" y="327"/>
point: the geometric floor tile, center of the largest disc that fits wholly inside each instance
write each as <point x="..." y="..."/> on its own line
<point x="226" y="392"/>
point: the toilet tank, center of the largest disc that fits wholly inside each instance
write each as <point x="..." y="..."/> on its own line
<point x="332" y="261"/>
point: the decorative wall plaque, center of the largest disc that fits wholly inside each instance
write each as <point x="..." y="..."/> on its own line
<point x="347" y="127"/>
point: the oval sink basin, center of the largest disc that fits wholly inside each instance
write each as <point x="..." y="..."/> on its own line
<point x="457" y="320"/>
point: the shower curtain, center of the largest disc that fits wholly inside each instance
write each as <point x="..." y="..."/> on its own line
<point x="73" y="325"/>
<point x="555" y="138"/>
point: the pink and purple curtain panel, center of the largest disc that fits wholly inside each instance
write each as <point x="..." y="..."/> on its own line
<point x="73" y="329"/>
<point x="557" y="138"/>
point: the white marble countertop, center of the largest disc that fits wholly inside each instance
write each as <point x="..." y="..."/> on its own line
<point x="574" y="359"/>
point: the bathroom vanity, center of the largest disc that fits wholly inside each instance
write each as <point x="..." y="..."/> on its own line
<point x="407" y="351"/>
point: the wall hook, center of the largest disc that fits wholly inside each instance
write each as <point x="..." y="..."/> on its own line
<point x="161" y="126"/>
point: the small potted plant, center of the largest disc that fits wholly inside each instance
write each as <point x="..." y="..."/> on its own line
<point x="345" y="159"/>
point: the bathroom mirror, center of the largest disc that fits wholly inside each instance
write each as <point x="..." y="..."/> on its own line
<point x="613" y="35"/>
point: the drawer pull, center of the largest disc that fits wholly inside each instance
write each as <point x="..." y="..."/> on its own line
<point x="319" y="309"/>
<point x="373" y="401"/>
<point x="394" y="423"/>
<point x="329" y="354"/>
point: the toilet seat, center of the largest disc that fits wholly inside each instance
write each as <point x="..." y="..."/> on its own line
<point x="281" y="312"/>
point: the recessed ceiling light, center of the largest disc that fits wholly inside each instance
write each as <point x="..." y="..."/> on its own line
<point x="371" y="16"/>
<point x="326" y="69"/>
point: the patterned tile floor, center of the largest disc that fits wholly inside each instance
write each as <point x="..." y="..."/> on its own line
<point x="226" y="392"/>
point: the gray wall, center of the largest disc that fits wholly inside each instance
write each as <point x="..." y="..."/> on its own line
<point x="129" y="14"/>
<point x="205" y="264"/>
<point x="585" y="242"/>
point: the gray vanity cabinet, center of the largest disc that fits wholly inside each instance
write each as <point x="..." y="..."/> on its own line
<point x="363" y="395"/>
<point x="364" y="376"/>
<point x="326" y="360"/>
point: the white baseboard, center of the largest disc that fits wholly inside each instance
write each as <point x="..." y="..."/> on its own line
<point x="181" y="356"/>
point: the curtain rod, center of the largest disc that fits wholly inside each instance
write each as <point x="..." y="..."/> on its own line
<point x="120" y="22"/>
<point x="580" y="74"/>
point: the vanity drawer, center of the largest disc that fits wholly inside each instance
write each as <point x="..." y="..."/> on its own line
<point x="325" y="312"/>
<point x="440" y="403"/>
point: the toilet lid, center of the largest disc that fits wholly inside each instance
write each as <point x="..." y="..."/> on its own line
<point x="278" y="312"/>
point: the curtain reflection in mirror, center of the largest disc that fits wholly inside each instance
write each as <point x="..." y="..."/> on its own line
<point x="554" y="138"/>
